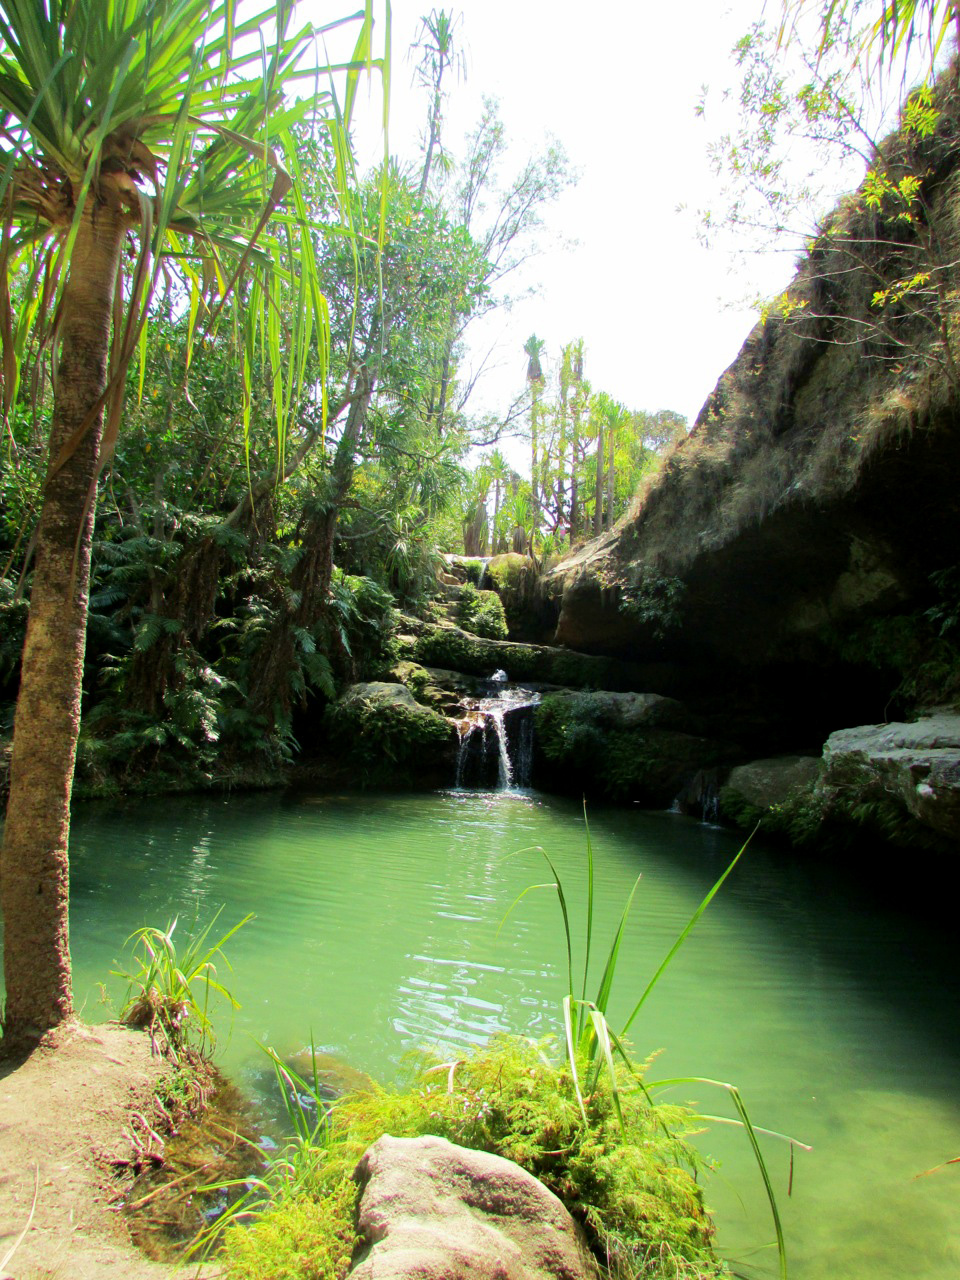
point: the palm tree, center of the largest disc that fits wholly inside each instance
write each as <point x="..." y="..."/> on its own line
<point x="618" y="420"/>
<point x="532" y="348"/>
<point x="135" y="135"/>
<point x="598" y="415"/>
<point x="500" y="475"/>
<point x="438" y="52"/>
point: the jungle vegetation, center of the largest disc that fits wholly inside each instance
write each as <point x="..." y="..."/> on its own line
<point x="236" y="427"/>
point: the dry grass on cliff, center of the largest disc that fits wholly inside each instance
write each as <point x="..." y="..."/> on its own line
<point x="830" y="378"/>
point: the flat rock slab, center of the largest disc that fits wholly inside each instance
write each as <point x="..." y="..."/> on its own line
<point x="430" y="1210"/>
<point x="917" y="764"/>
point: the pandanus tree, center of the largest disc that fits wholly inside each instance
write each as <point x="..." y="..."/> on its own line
<point x="136" y="137"/>
<point x="533" y="348"/>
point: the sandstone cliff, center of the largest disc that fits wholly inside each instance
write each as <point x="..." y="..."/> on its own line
<point x="792" y="569"/>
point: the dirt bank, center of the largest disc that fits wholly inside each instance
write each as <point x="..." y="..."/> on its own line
<point x="65" y="1114"/>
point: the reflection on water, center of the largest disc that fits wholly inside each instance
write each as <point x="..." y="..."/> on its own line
<point x="378" y="930"/>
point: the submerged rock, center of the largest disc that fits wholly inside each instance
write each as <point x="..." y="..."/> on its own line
<point x="430" y="1210"/>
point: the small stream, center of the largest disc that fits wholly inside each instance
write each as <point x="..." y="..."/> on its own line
<point x="378" y="931"/>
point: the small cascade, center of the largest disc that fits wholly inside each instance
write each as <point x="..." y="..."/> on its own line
<point x="496" y="738"/>
<point x="700" y="796"/>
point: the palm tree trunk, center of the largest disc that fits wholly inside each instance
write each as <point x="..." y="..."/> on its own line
<point x="35" y="880"/>
<point x="598" y="486"/>
<point x="611" y="479"/>
<point x="574" y="478"/>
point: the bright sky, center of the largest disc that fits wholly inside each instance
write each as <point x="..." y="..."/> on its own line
<point x="616" y="82"/>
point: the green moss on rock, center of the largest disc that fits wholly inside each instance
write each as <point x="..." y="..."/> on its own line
<point x="380" y="730"/>
<point x="628" y="1174"/>
<point x="623" y="750"/>
<point x="456" y="650"/>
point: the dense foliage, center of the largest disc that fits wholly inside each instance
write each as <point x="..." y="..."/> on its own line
<point x="247" y="563"/>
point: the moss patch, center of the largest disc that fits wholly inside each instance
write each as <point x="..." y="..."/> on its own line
<point x="387" y="738"/>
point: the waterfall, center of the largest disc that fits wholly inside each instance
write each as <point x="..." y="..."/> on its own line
<point x="496" y="737"/>
<point x="700" y="796"/>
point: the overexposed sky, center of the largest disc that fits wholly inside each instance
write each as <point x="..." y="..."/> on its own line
<point x="616" y="82"/>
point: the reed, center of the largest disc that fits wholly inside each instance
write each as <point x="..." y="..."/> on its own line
<point x="592" y="1046"/>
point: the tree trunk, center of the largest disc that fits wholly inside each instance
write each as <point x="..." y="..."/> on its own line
<point x="611" y="478"/>
<point x="598" y="486"/>
<point x="575" y="478"/>
<point x="35" y="882"/>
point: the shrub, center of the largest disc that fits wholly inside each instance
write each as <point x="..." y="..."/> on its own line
<point x="481" y="612"/>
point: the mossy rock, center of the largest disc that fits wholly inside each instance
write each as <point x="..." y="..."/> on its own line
<point x="381" y="732"/>
<point x="507" y="571"/>
<point x="617" y="751"/>
<point x="623" y="1165"/>
<point x="412" y="676"/>
<point x="455" y="649"/>
<point x="780" y="794"/>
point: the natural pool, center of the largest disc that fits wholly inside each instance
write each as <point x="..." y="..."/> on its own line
<point x="377" y="932"/>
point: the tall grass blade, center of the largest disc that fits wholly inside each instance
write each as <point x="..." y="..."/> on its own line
<point x="610" y="969"/>
<point x="603" y="1040"/>
<point x="586" y="953"/>
<point x="568" y="1002"/>
<point x="558" y="885"/>
<point x="751" y="1133"/>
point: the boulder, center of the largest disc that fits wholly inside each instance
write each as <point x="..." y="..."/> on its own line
<point x="761" y="784"/>
<point x="379" y="693"/>
<point x="892" y="775"/>
<point x="430" y="1210"/>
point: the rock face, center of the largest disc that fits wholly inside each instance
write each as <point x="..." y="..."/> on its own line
<point x="785" y="562"/>
<point x="889" y="775"/>
<point x="430" y="1210"/>
<point x="640" y="747"/>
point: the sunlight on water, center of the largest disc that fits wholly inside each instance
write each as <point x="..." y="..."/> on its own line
<point x="380" y="929"/>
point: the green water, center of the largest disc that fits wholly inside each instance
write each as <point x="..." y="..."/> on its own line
<point x="377" y="932"/>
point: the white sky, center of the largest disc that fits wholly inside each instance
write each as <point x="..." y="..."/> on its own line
<point x="616" y="82"/>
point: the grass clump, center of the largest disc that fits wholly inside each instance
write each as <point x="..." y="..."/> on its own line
<point x="622" y="1167"/>
<point x="306" y="1237"/>
<point x="170" y="987"/>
